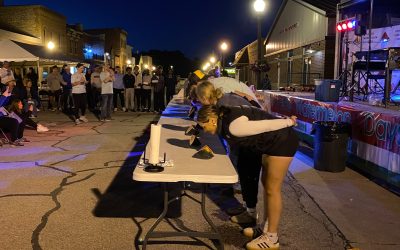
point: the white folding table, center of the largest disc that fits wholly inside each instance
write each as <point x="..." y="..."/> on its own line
<point x="219" y="169"/>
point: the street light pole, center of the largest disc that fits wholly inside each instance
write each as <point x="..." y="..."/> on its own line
<point x="259" y="50"/>
<point x="224" y="47"/>
<point x="259" y="7"/>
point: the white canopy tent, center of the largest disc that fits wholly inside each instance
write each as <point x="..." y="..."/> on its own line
<point x="10" y="51"/>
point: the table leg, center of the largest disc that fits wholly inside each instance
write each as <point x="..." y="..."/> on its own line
<point x="159" y="219"/>
<point x="203" y="211"/>
<point x="209" y="235"/>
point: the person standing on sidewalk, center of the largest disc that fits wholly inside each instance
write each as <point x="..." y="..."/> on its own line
<point x="118" y="90"/>
<point x="89" y="94"/>
<point x="54" y="82"/>
<point x="34" y="79"/>
<point x="170" y="82"/>
<point x="107" y="78"/>
<point x="146" y="91"/>
<point x="96" y="86"/>
<point x="129" y="83"/>
<point x="138" y="88"/>
<point x="66" y="98"/>
<point x="158" y="84"/>
<point x="78" y="81"/>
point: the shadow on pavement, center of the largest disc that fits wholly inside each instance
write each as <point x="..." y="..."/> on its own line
<point x="126" y="198"/>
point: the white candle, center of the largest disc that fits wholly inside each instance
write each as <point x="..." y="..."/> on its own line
<point x="154" y="148"/>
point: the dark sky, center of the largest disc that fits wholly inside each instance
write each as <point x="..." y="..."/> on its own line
<point x="195" y="27"/>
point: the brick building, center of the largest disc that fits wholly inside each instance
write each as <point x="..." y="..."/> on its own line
<point x="115" y="45"/>
<point x="35" y="21"/>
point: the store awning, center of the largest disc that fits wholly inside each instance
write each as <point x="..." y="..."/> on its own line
<point x="242" y="57"/>
<point x="46" y="55"/>
<point x="18" y="52"/>
<point x="10" y="51"/>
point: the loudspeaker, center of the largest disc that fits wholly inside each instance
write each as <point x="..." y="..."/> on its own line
<point x="360" y="30"/>
<point x="327" y="90"/>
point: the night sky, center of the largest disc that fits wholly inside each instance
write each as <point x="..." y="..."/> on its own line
<point x="194" y="27"/>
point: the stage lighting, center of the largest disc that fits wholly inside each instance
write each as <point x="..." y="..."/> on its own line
<point x="345" y="25"/>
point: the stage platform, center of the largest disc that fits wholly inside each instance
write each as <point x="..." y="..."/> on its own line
<point x="374" y="147"/>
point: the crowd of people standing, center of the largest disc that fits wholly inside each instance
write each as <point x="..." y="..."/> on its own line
<point x="101" y="89"/>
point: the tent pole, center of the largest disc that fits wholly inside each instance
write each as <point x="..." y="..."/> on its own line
<point x="39" y="75"/>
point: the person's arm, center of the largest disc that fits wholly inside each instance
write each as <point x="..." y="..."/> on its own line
<point x="61" y="79"/>
<point x="75" y="81"/>
<point x="242" y="126"/>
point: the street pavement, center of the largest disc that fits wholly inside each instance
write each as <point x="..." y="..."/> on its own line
<point x="72" y="188"/>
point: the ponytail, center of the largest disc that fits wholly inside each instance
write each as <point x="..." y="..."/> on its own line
<point x="207" y="94"/>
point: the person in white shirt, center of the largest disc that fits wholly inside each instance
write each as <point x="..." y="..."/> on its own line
<point x="78" y="81"/>
<point x="6" y="75"/>
<point x="107" y="78"/>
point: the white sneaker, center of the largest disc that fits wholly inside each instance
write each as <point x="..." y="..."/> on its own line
<point x="40" y="128"/>
<point x="84" y="119"/>
<point x="262" y="242"/>
<point x="77" y="122"/>
<point x="107" y="120"/>
<point x="124" y="109"/>
<point x="115" y="109"/>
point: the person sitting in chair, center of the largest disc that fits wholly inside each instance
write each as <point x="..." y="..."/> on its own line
<point x="8" y="123"/>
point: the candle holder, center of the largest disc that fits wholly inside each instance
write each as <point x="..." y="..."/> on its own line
<point x="153" y="168"/>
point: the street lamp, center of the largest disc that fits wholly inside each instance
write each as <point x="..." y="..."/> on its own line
<point x="128" y="62"/>
<point x="212" y="59"/>
<point x="259" y="7"/>
<point x="50" y="45"/>
<point x="224" y="47"/>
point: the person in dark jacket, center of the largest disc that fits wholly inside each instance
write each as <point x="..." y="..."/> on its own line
<point x="8" y="123"/>
<point x="18" y="108"/>
<point x="66" y="98"/>
<point x="129" y="84"/>
<point x="158" y="83"/>
<point x="34" y="79"/>
<point x="275" y="139"/>
<point x="170" y="83"/>
<point x="28" y="96"/>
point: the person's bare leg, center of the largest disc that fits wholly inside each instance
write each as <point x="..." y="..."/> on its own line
<point x="276" y="168"/>
<point x="264" y="184"/>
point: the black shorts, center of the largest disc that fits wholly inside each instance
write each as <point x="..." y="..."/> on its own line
<point x="284" y="144"/>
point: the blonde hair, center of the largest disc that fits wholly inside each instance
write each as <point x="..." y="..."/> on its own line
<point x="206" y="112"/>
<point x="207" y="94"/>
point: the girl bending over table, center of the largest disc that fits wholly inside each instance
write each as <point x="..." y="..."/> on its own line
<point x="275" y="139"/>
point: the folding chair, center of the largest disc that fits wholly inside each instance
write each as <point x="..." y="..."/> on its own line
<point x="4" y="139"/>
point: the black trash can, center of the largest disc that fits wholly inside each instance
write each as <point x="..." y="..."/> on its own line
<point x="330" y="145"/>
